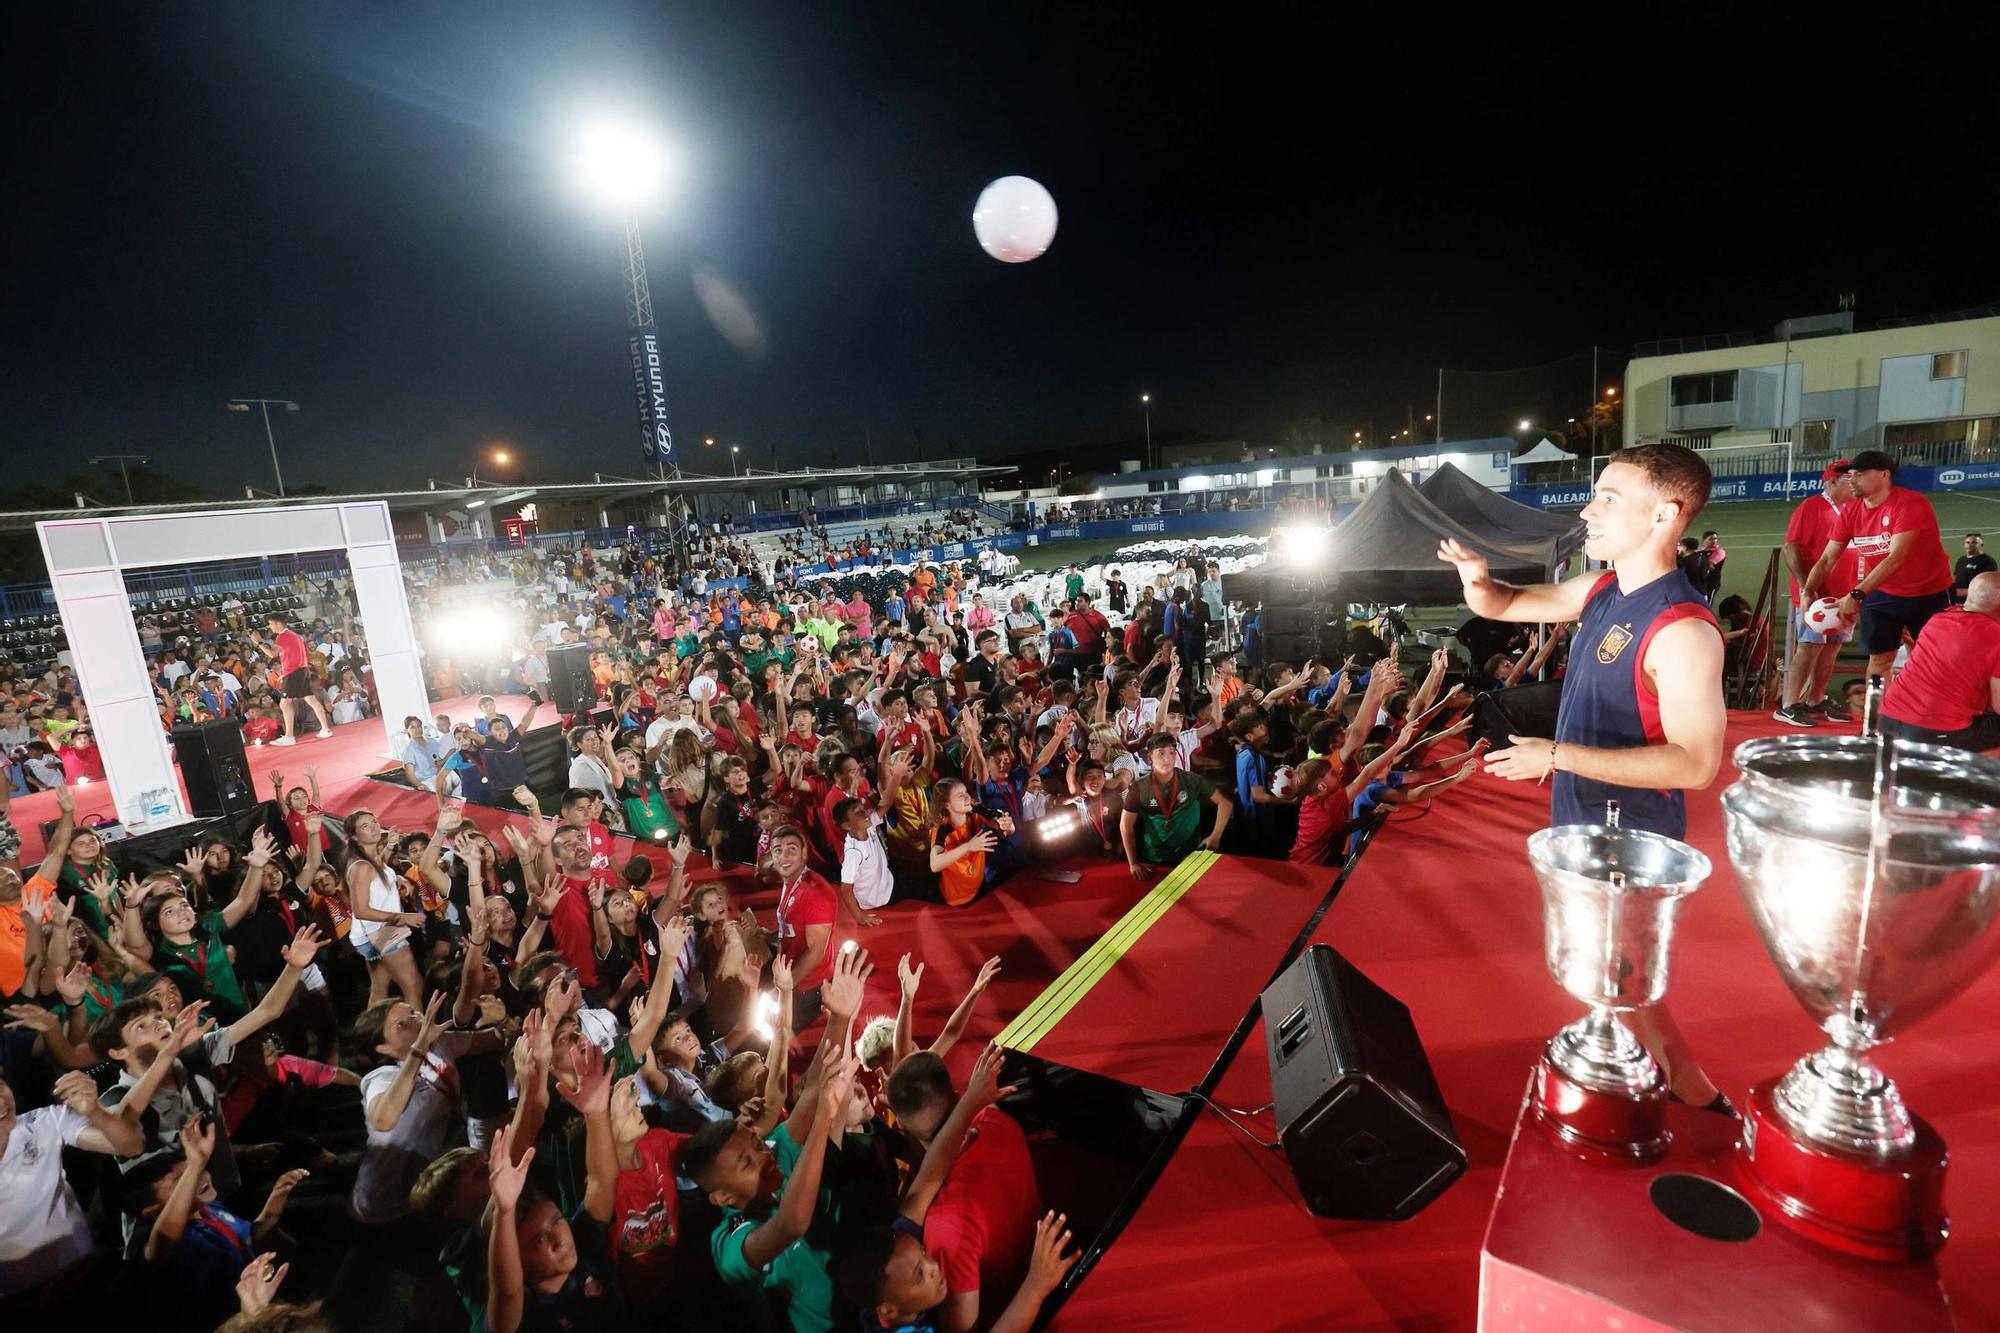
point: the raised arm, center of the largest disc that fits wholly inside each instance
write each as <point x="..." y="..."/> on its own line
<point x="262" y="848"/>
<point x="1489" y="597"/>
<point x="954" y="1027"/>
<point x="197" y="1146"/>
<point x="982" y="1089"/>
<point x="795" y="1209"/>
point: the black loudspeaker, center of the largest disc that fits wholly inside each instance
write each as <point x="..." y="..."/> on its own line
<point x="1525" y="710"/>
<point x="571" y="685"/>
<point x="546" y="757"/>
<point x="1363" y="1124"/>
<point x="214" y="769"/>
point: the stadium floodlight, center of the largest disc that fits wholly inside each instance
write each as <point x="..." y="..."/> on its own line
<point x="1304" y="545"/>
<point x="621" y="163"/>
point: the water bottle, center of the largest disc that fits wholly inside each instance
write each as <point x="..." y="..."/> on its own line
<point x="159" y="803"/>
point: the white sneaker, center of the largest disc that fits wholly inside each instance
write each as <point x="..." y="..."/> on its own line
<point x="285" y="740"/>
<point x="325" y="734"/>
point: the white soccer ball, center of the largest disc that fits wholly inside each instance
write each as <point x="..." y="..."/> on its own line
<point x="1015" y="219"/>
<point x="1824" y="616"/>
<point x="701" y="689"/>
<point x="1281" y="782"/>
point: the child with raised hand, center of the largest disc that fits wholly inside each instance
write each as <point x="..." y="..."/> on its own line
<point x="893" y="1277"/>
<point x="200" y="1246"/>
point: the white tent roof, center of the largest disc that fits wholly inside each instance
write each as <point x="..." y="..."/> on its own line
<point x="1548" y="451"/>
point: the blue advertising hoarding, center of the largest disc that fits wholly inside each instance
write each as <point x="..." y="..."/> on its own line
<point x="649" y="384"/>
<point x="1775" y="485"/>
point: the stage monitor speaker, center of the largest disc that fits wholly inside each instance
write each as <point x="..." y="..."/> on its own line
<point x="1360" y="1116"/>
<point x="214" y="768"/>
<point x="571" y="685"/>
<point x="1525" y="710"/>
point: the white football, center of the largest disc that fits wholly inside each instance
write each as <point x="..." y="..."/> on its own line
<point x="1281" y="781"/>
<point x="1824" y="616"/>
<point x="701" y="689"/>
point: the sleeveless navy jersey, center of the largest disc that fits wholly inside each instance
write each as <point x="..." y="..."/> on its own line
<point x="1608" y="704"/>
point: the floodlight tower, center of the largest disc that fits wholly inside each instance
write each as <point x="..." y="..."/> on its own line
<point x="624" y="167"/>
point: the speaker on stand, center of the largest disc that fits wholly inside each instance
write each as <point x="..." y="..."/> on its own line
<point x="571" y="685"/>
<point x="1362" y="1122"/>
<point x="214" y="768"/>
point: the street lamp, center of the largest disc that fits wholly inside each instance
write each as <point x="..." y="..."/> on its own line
<point x="1526" y="424"/>
<point x="1611" y="392"/>
<point x="265" y="405"/>
<point x="121" y="460"/>
<point x="498" y="457"/>
<point x="1146" y="406"/>
<point x="733" y="451"/>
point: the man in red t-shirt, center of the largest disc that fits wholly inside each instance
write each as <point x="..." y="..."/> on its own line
<point x="1806" y="536"/>
<point x="570" y="922"/>
<point x="807" y="906"/>
<point x="1904" y="574"/>
<point x="290" y="650"/>
<point x="981" y="1227"/>
<point x="1089" y="626"/>
<point x="1949" y="694"/>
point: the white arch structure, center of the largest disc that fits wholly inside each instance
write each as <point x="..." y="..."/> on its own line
<point x="87" y="558"/>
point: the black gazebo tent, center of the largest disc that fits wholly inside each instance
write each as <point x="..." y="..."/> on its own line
<point x="1386" y="550"/>
<point x="1490" y="513"/>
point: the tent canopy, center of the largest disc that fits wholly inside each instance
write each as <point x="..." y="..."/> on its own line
<point x="1548" y="451"/>
<point x="1386" y="550"/>
<point x="1491" y="514"/>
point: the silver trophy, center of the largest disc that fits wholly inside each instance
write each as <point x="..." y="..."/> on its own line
<point x="1872" y="872"/>
<point x="1609" y="900"/>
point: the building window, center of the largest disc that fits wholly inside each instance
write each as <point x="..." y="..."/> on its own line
<point x="1816" y="437"/>
<point x="1948" y="366"/>
<point x="1716" y="386"/>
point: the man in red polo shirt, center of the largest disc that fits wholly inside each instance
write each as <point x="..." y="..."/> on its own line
<point x="1904" y="574"/>
<point x="1949" y="694"/>
<point x="290" y="650"/>
<point x="981" y="1227"/>
<point x="1806" y="536"/>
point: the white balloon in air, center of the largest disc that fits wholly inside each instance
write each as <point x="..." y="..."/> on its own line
<point x="1015" y="219"/>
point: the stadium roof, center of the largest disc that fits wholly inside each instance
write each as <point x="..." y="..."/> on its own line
<point x="604" y="489"/>
<point x="1499" y="444"/>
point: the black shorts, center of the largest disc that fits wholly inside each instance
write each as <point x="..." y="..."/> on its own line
<point x="1884" y="618"/>
<point x="298" y="684"/>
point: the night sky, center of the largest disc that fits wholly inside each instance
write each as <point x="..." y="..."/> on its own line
<point x="362" y="207"/>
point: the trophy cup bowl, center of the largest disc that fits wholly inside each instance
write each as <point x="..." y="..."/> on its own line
<point x="1609" y="900"/>
<point x="1869" y="944"/>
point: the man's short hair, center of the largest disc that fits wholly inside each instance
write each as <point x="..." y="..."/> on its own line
<point x="1873" y="460"/>
<point x="843" y="808"/>
<point x="788" y="831"/>
<point x="576" y="796"/>
<point x="277" y="618"/>
<point x="921" y="1083"/>
<point x="1676" y="472"/>
<point x="1161" y="740"/>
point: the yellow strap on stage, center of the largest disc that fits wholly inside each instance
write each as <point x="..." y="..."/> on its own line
<point x="1041" y="1017"/>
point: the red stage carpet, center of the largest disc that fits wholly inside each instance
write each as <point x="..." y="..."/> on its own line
<point x="1443" y="911"/>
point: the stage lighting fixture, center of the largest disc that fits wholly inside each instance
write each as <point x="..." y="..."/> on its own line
<point x="1057" y="825"/>
<point x="1304" y="545"/>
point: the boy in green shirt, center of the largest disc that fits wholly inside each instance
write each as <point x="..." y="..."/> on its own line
<point x="769" y="1191"/>
<point x="1161" y="823"/>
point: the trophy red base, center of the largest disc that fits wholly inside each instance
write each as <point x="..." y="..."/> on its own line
<point x="1885" y="1210"/>
<point x="1601" y="1124"/>
<point x="1578" y="1244"/>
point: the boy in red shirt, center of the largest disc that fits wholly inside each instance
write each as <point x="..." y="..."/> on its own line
<point x="1905" y="576"/>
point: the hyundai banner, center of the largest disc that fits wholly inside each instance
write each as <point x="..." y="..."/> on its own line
<point x="649" y="382"/>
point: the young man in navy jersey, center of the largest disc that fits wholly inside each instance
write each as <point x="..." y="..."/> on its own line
<point x="1641" y="716"/>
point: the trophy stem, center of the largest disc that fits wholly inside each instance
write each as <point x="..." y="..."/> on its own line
<point x="1838" y="1098"/>
<point x="1599" y="1052"/>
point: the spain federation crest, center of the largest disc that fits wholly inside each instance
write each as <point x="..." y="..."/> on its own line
<point x="1613" y="643"/>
